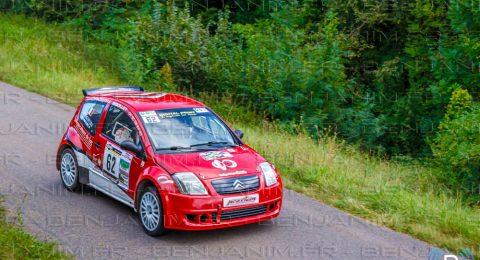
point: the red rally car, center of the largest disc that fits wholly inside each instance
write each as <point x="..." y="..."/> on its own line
<point x="170" y="158"/>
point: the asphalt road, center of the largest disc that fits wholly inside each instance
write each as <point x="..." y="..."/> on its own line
<point x="91" y="225"/>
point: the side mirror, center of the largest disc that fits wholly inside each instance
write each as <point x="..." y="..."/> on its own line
<point x="130" y="146"/>
<point x="239" y="133"/>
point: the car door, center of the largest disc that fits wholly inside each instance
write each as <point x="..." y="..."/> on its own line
<point x="89" y="119"/>
<point x="119" y="166"/>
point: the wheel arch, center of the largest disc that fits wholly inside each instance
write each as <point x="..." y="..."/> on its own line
<point x="70" y="140"/>
<point x="140" y="187"/>
<point x="158" y="178"/>
<point x="59" y="154"/>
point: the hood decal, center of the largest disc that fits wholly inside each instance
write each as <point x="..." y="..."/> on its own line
<point x="212" y="164"/>
<point x="224" y="164"/>
<point x="208" y="156"/>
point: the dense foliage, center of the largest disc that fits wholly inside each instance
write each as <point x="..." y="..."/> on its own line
<point x="377" y="73"/>
<point x="406" y="197"/>
<point x="457" y="144"/>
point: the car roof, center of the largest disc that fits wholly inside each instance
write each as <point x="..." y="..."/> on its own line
<point x="145" y="101"/>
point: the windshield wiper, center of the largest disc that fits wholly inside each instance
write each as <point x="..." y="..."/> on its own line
<point x="209" y="143"/>
<point x="173" y="148"/>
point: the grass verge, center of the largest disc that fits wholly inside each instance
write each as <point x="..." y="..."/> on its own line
<point x="15" y="243"/>
<point x="404" y="197"/>
<point x="50" y="60"/>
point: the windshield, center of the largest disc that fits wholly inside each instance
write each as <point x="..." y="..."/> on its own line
<point x="186" y="128"/>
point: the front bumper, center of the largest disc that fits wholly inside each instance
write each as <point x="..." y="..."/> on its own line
<point x="207" y="212"/>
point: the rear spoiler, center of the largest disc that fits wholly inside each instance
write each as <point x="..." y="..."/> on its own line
<point x="93" y="91"/>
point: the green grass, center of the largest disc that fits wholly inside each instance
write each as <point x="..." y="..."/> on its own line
<point x="15" y="243"/>
<point x="404" y="197"/>
<point x="49" y="60"/>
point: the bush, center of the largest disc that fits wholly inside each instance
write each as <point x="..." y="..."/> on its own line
<point x="456" y="146"/>
<point x="374" y="73"/>
<point x="289" y="73"/>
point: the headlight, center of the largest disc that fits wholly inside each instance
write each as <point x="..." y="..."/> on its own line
<point x="268" y="173"/>
<point x="188" y="183"/>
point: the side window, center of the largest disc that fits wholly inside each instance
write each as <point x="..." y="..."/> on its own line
<point x="90" y="115"/>
<point x="119" y="127"/>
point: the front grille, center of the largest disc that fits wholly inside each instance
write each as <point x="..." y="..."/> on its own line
<point x="236" y="185"/>
<point x="240" y="213"/>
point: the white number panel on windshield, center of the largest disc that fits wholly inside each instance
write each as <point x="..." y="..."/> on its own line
<point x="116" y="162"/>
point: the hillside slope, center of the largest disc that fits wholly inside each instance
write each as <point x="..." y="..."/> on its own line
<point x="404" y="197"/>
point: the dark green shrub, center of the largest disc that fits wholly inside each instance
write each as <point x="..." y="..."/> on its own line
<point x="376" y="73"/>
<point x="287" y="72"/>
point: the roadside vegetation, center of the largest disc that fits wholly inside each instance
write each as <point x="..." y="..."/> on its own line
<point x="15" y="243"/>
<point x="49" y="60"/>
<point x="402" y="194"/>
<point x="378" y="74"/>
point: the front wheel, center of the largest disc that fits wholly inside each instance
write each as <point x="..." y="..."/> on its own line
<point x="151" y="212"/>
<point x="69" y="170"/>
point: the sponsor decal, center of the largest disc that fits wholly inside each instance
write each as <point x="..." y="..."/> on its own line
<point x="174" y="114"/>
<point x="240" y="200"/>
<point x="168" y="115"/>
<point x="123" y="181"/>
<point x="88" y="121"/>
<point x="116" y="163"/>
<point x="114" y="150"/>
<point x="121" y="106"/>
<point x="124" y="165"/>
<point x="162" y="179"/>
<point x="224" y="164"/>
<point x="200" y="110"/>
<point x="188" y="113"/>
<point x="232" y="173"/>
<point x="90" y="112"/>
<point x="83" y="134"/>
<point x="149" y="117"/>
<point x="208" y="156"/>
<point x="110" y="177"/>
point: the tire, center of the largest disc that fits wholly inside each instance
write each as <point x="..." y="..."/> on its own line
<point x="150" y="212"/>
<point x="69" y="170"/>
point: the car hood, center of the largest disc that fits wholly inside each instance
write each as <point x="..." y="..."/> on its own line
<point x="233" y="161"/>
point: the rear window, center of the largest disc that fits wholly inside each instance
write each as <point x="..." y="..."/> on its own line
<point x="90" y="115"/>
